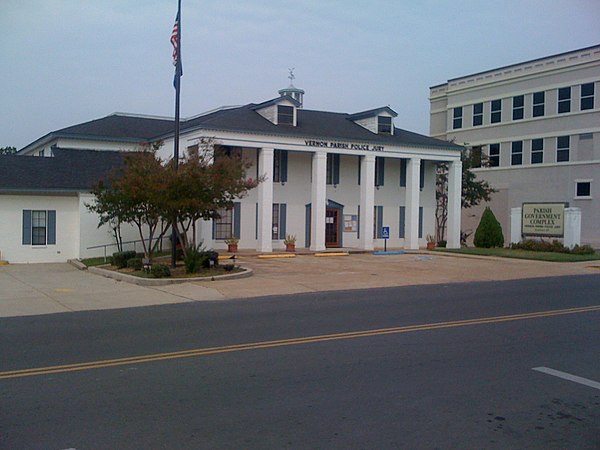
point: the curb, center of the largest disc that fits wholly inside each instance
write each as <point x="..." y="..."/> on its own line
<point x="77" y="264"/>
<point x="247" y="272"/>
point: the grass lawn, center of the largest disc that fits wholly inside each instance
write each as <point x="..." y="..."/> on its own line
<point x="522" y="254"/>
<point x="90" y="262"/>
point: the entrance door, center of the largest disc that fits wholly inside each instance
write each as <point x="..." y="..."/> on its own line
<point x="332" y="227"/>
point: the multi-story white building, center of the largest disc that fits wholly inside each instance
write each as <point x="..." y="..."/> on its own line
<point x="330" y="179"/>
<point x="538" y="122"/>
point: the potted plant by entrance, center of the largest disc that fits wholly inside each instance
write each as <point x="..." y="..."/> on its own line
<point x="430" y="242"/>
<point x="232" y="244"/>
<point x="290" y="243"/>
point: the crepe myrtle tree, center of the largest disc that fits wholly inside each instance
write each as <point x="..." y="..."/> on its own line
<point x="473" y="191"/>
<point x="151" y="194"/>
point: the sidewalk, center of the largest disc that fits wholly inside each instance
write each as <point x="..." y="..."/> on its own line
<point x="30" y="289"/>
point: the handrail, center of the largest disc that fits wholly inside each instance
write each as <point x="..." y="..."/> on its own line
<point x="123" y="243"/>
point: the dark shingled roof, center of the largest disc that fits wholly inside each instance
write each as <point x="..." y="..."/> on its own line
<point x="311" y="124"/>
<point x="69" y="170"/>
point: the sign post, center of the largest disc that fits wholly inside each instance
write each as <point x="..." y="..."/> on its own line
<point x="385" y="234"/>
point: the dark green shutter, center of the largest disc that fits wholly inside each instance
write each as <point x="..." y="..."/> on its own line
<point x="51" y="227"/>
<point x="358" y="224"/>
<point x="359" y="161"/>
<point x="420" y="222"/>
<point x="307" y="226"/>
<point x="379" y="170"/>
<point x="256" y="223"/>
<point x="237" y="215"/>
<point x="283" y="166"/>
<point x="403" y="172"/>
<point x="402" y="221"/>
<point x="26" y="227"/>
<point x="336" y="168"/>
<point x="282" y="213"/>
<point x="378" y="221"/>
<point x="422" y="175"/>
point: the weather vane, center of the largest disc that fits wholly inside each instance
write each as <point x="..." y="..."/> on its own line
<point x="291" y="75"/>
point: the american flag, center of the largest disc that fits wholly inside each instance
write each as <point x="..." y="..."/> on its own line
<point x="174" y="39"/>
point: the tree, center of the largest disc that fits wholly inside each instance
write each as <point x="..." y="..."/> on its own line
<point x="203" y="185"/>
<point x="473" y="191"/>
<point x="8" y="150"/>
<point x="152" y="195"/>
<point x="489" y="232"/>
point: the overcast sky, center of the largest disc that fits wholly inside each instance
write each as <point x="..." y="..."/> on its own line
<point x="69" y="61"/>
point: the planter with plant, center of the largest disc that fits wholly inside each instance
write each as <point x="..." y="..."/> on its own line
<point x="290" y="243"/>
<point x="232" y="244"/>
<point x="430" y="242"/>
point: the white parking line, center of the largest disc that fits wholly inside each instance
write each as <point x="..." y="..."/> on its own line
<point x="568" y="376"/>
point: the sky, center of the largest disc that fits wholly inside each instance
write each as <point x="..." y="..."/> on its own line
<point x="65" y="62"/>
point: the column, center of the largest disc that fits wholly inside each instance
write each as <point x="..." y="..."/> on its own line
<point x="367" y="201"/>
<point x="515" y="225"/>
<point x="318" y="201"/>
<point x="265" y="200"/>
<point x="411" y="239"/>
<point x="454" y="203"/>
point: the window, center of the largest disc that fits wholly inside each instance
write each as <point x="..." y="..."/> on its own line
<point x="333" y="168"/>
<point x="457" y="118"/>
<point x="562" y="148"/>
<point x="587" y="96"/>
<point x="517" y="153"/>
<point x="518" y="107"/>
<point x="279" y="219"/>
<point x="496" y="115"/>
<point x="384" y="125"/>
<point x="39" y="227"/>
<point x="228" y="225"/>
<point x="494" y="155"/>
<point x="564" y="100"/>
<point x="537" y="151"/>
<point x="226" y="152"/>
<point x="379" y="171"/>
<point x="583" y="189"/>
<point x="285" y="115"/>
<point x="477" y="114"/>
<point x="538" y="103"/>
<point x="280" y="158"/>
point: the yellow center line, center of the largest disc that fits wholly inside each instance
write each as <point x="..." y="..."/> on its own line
<point x="287" y="342"/>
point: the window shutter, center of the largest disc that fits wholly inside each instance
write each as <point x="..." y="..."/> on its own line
<point x="403" y="173"/>
<point x="256" y="222"/>
<point x="358" y="224"/>
<point x="282" y="213"/>
<point x="420" y="222"/>
<point x="214" y="228"/>
<point x="422" y="175"/>
<point x="51" y="227"/>
<point x="307" y="226"/>
<point x="237" y="210"/>
<point x="283" y="166"/>
<point x="336" y="168"/>
<point x="378" y="221"/>
<point x="379" y="170"/>
<point x="402" y="222"/>
<point x="359" y="161"/>
<point x="26" y="227"/>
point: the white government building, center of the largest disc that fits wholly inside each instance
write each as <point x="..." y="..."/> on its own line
<point x="538" y="122"/>
<point x="332" y="180"/>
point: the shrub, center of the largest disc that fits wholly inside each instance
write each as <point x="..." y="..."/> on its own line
<point x="442" y="244"/>
<point x="120" y="258"/>
<point x="489" y="232"/>
<point x="135" y="263"/>
<point x="160" y="271"/>
<point x="193" y="260"/>
<point x="583" y="250"/>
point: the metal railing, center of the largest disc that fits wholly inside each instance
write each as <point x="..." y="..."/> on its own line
<point x="105" y="246"/>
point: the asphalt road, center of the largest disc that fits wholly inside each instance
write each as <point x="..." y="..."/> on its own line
<point x="438" y="366"/>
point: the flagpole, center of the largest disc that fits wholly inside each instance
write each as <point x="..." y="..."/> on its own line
<point x="176" y="143"/>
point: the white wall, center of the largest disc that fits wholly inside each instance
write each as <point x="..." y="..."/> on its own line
<point x="11" y="223"/>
